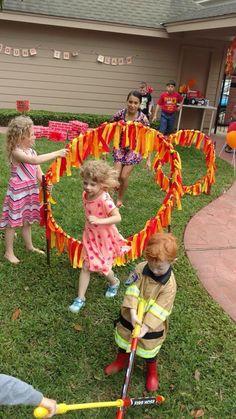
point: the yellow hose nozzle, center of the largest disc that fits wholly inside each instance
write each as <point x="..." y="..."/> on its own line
<point x="41" y="412"/>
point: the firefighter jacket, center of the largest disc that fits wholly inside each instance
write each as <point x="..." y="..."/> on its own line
<point x="159" y="294"/>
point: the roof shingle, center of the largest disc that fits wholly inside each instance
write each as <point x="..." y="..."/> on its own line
<point x="205" y="12"/>
<point x="148" y="13"/>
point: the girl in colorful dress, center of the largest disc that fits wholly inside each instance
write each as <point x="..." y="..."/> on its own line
<point x="102" y="242"/>
<point x="154" y="282"/>
<point x="124" y="158"/>
<point x="21" y="206"/>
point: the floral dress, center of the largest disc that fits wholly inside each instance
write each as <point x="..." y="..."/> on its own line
<point x="101" y="243"/>
<point x="124" y="155"/>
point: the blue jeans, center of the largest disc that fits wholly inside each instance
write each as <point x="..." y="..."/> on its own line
<point x="167" y="123"/>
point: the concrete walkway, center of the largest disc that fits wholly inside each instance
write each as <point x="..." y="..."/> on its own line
<point x="210" y="242"/>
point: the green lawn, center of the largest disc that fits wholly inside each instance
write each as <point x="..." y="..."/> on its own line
<point x="43" y="348"/>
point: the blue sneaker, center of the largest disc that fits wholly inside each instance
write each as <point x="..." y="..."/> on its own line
<point x="78" y="303"/>
<point x="112" y="289"/>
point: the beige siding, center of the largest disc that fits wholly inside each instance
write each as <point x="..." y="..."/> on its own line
<point x="83" y="85"/>
<point x="80" y="84"/>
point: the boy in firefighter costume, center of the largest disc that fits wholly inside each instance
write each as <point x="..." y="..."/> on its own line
<point x="153" y="281"/>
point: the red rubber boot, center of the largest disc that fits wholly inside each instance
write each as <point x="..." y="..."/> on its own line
<point x="152" y="382"/>
<point x="119" y="364"/>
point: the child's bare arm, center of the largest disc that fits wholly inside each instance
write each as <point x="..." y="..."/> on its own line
<point x="143" y="331"/>
<point x="20" y="157"/>
<point x="156" y="112"/>
<point x="50" y="405"/>
<point x="113" y="218"/>
<point x="134" y="317"/>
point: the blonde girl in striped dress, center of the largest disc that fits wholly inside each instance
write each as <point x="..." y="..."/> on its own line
<point x="21" y="206"/>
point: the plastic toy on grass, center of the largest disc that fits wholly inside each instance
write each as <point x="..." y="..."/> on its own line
<point x="41" y="412"/>
<point x="122" y="403"/>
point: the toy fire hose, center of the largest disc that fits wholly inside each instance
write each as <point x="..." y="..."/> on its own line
<point x="124" y="402"/>
<point x="41" y="412"/>
<point x="120" y="413"/>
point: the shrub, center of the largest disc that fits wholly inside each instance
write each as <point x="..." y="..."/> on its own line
<point x="42" y="117"/>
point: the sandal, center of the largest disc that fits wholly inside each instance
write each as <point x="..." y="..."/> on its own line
<point x="77" y="304"/>
<point x="112" y="289"/>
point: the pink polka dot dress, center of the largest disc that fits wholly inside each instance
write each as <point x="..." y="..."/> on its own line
<point x="101" y="243"/>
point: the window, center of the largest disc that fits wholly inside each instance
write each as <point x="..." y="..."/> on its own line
<point x="225" y="89"/>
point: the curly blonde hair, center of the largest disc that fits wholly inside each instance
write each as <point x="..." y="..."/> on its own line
<point x="18" y="129"/>
<point x="162" y="247"/>
<point x="100" y="171"/>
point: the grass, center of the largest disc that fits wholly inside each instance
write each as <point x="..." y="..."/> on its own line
<point x="42" y="346"/>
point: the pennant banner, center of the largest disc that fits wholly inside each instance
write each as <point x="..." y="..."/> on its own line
<point x="17" y="52"/>
<point x="114" y="60"/>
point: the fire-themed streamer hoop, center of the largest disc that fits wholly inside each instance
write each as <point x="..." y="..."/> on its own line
<point x="143" y="140"/>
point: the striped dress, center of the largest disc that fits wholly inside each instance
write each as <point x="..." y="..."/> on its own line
<point x="21" y="203"/>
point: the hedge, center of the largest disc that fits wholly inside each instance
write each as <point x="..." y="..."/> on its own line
<point x="43" y="117"/>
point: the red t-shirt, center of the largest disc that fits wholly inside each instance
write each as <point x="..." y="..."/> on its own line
<point x="169" y="101"/>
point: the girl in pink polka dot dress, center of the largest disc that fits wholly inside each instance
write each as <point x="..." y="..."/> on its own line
<point x="102" y="242"/>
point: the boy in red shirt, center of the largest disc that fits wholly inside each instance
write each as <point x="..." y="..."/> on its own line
<point x="170" y="102"/>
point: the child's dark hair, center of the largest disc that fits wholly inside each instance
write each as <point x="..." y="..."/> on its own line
<point x="171" y="82"/>
<point x="135" y="93"/>
<point x="162" y="247"/>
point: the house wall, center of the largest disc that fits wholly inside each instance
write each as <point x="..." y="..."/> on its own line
<point x="84" y="85"/>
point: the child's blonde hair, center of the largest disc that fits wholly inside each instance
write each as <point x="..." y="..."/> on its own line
<point x="99" y="171"/>
<point x="162" y="247"/>
<point x="18" y="128"/>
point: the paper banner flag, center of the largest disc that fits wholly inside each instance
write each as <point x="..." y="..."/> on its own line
<point x="114" y="61"/>
<point x="1" y="46"/>
<point x="57" y="54"/>
<point x="25" y="52"/>
<point x="75" y="53"/>
<point x="107" y="60"/>
<point x="7" y="50"/>
<point x="100" y="58"/>
<point x="33" y="51"/>
<point x="66" y="55"/>
<point x="16" y="52"/>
